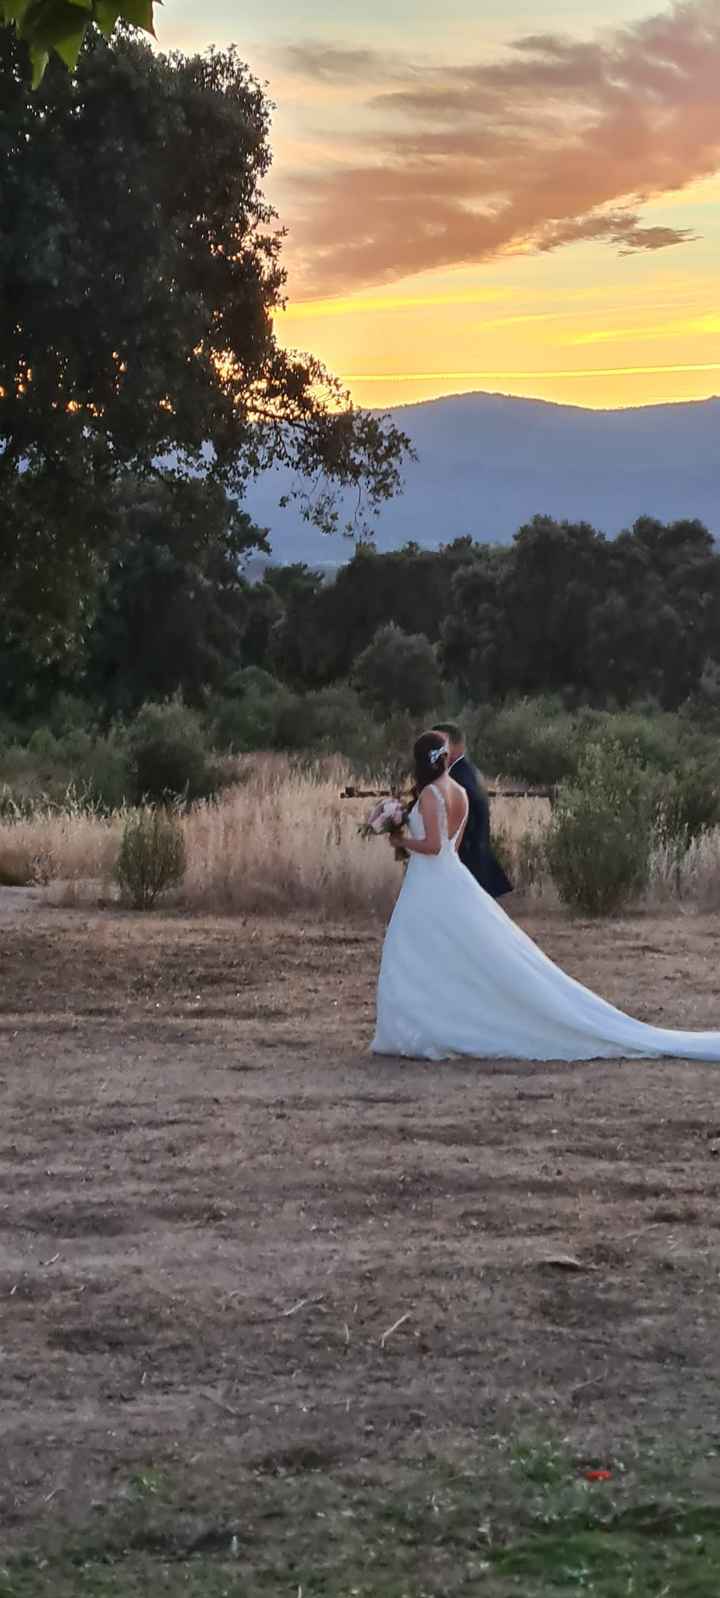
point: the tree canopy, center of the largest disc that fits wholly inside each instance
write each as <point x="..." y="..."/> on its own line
<point x="564" y="609"/>
<point x="139" y="271"/>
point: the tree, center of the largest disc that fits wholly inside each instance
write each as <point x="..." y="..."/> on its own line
<point x="295" y="648"/>
<point x="398" y="671"/>
<point x="553" y="583"/>
<point x="139" y="271"/>
<point x="323" y="631"/>
<point x="172" y="612"/>
<point x="472" y="646"/>
<point x="61" y="25"/>
<point x="658" y="620"/>
<point x="567" y="611"/>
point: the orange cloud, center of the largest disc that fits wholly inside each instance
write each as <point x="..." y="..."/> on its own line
<point x="562" y="140"/>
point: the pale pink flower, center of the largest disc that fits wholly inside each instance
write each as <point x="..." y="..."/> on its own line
<point x="387" y="816"/>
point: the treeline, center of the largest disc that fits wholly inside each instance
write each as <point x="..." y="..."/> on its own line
<point x="561" y="611"/>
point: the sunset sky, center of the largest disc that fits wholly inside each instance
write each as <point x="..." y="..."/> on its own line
<point x="514" y="197"/>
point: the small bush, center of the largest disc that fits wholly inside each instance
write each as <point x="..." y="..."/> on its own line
<point x="251" y="722"/>
<point x="42" y="743"/>
<point x="690" y="804"/>
<point x="169" y="757"/>
<point x="599" y="840"/>
<point x="398" y="671"/>
<point x="106" y="775"/>
<point x="648" y="738"/>
<point x="68" y="714"/>
<point x="152" y="857"/>
<point x="330" y="720"/>
<point x="251" y="680"/>
<point x="533" y="741"/>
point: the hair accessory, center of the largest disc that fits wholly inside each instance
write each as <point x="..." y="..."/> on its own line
<point x="434" y="755"/>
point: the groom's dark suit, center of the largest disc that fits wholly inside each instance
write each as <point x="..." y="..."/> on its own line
<point x="475" y="851"/>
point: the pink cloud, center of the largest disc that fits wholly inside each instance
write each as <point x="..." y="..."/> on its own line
<point x="558" y="141"/>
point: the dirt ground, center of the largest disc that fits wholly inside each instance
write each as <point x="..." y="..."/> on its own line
<point x="233" y="1245"/>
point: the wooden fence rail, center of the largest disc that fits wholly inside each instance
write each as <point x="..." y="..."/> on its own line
<point x="493" y="793"/>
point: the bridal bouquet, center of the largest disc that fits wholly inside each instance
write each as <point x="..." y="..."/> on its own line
<point x="389" y="815"/>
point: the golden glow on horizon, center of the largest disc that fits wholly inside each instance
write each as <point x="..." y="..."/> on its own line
<point x="357" y="305"/>
<point x="687" y="327"/>
<point x="527" y="334"/>
<point x="590" y="371"/>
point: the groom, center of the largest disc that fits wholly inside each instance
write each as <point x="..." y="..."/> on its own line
<point x="475" y="851"/>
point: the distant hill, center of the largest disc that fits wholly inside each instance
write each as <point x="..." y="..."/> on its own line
<point x="488" y="462"/>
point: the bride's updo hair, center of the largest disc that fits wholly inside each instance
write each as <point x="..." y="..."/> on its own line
<point x="430" y="755"/>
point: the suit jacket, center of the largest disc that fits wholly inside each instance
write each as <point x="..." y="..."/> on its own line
<point x="475" y="850"/>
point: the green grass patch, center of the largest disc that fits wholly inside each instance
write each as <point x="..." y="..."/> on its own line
<point x="528" y="1522"/>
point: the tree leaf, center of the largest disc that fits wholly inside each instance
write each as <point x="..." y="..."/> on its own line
<point x="69" y="44"/>
<point x="39" y="60"/>
<point x="106" y="15"/>
<point x="47" y="25"/>
<point x="140" y="14"/>
<point x="13" y="10"/>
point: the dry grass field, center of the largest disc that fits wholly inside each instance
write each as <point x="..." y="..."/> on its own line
<point x="280" y="1318"/>
<point x="282" y="839"/>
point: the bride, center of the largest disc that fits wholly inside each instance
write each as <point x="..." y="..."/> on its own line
<point x="459" y="977"/>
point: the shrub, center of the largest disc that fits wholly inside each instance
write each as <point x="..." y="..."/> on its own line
<point x="251" y="722"/>
<point x="249" y="680"/>
<point x="690" y="804"/>
<point x="152" y="857"/>
<point x="398" y="671"/>
<point x="68" y="713"/>
<point x="330" y="720"/>
<point x="533" y="741"/>
<point x="169" y="757"/>
<point x="42" y="743"/>
<point x="651" y="739"/>
<point x="599" y="840"/>
<point x="105" y="774"/>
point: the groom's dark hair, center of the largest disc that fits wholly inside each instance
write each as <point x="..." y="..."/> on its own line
<point x="454" y="732"/>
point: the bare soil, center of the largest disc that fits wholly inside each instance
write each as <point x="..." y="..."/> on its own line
<point x="234" y="1247"/>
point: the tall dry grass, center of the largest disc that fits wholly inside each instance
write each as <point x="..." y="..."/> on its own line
<point x="282" y="840"/>
<point x="516" y="818"/>
<point x="688" y="878"/>
<point x="50" y="845"/>
<point x="518" y="827"/>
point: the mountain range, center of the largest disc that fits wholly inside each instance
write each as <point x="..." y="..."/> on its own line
<point x="486" y="463"/>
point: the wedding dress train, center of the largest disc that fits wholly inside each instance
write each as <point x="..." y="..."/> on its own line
<point x="458" y="977"/>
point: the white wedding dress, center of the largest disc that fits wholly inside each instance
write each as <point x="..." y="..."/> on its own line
<point x="458" y="977"/>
